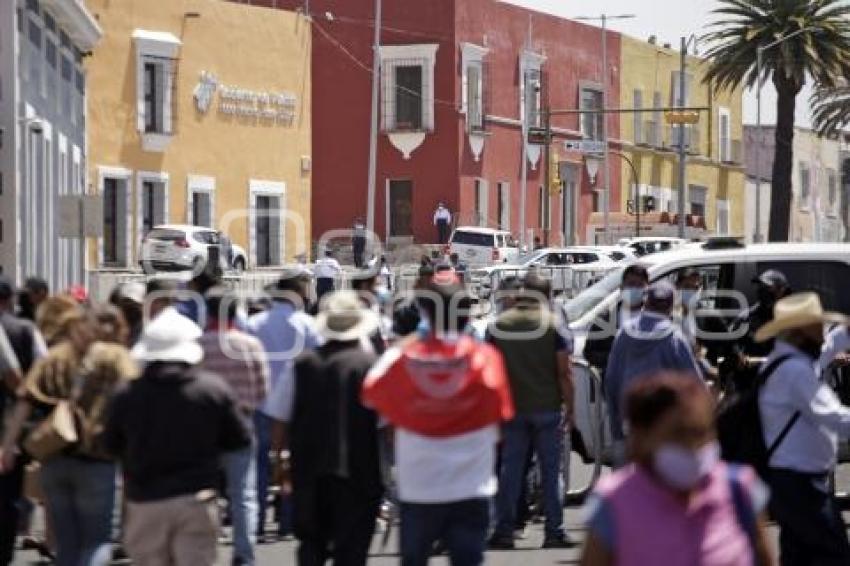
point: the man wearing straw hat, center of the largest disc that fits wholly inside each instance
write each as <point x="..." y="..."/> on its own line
<point x="336" y="481"/>
<point x="794" y="402"/>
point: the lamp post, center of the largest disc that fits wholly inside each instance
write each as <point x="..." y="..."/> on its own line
<point x="683" y="156"/>
<point x="757" y="237"/>
<point x="603" y="19"/>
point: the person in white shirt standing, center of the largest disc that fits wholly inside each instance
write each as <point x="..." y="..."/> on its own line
<point x="442" y="220"/>
<point x="326" y="271"/>
<point x="797" y="403"/>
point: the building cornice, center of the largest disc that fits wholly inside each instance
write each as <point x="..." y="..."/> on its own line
<point x="77" y="21"/>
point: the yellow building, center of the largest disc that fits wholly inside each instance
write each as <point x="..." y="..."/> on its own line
<point x="714" y="173"/>
<point x="199" y="113"/>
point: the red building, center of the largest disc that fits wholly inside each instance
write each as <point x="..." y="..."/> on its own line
<point x="457" y="76"/>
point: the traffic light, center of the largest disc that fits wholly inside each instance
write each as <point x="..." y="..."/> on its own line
<point x="681" y="116"/>
<point x="554" y="174"/>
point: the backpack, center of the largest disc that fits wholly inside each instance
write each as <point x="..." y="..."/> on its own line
<point x="739" y="426"/>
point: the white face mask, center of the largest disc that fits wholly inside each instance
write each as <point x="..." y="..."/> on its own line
<point x="689" y="297"/>
<point x="632" y="296"/>
<point x="682" y="469"/>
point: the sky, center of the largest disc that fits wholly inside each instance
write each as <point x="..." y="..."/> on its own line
<point x="669" y="20"/>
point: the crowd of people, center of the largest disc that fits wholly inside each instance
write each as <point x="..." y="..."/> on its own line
<point x="132" y="420"/>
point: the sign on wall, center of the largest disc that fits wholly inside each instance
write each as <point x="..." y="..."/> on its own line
<point x="275" y="107"/>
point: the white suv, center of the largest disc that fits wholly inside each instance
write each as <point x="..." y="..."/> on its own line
<point x="482" y="246"/>
<point x="182" y="247"/>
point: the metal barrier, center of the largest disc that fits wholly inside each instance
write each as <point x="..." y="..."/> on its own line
<point x="566" y="280"/>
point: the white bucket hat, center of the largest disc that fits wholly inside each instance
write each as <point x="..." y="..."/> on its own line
<point x="796" y="311"/>
<point x="170" y="337"/>
<point x="344" y="318"/>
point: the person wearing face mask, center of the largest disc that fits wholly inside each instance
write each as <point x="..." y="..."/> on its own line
<point x="694" y="508"/>
<point x="797" y="403"/>
<point x="645" y="346"/>
<point x="600" y="339"/>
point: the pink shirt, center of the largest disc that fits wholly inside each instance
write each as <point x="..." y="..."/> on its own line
<point x="641" y="522"/>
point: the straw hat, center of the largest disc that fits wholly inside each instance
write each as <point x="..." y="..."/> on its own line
<point x="344" y="318"/>
<point x="170" y="337"/>
<point x="796" y="311"/>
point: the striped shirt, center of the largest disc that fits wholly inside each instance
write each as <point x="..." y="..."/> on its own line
<point x="240" y="360"/>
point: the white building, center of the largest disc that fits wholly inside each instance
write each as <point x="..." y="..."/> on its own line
<point x="43" y="127"/>
<point x="817" y="213"/>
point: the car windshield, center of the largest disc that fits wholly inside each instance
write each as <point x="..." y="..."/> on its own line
<point x="166" y="235"/>
<point x="587" y="300"/>
<point x="473" y="239"/>
<point x="527" y="258"/>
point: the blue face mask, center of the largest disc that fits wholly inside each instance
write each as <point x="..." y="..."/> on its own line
<point x="632" y="296"/>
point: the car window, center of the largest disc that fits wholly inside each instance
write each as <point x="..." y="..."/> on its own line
<point x="472" y="239"/>
<point x="714" y="277"/>
<point x="826" y="278"/>
<point x="500" y="241"/>
<point x="617" y="256"/>
<point x="166" y="235"/>
<point x="510" y="242"/>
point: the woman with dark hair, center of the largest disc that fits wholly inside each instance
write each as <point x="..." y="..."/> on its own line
<point x="677" y="504"/>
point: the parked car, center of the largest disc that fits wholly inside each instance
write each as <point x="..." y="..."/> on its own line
<point x="561" y="265"/>
<point x="181" y="247"/>
<point x="617" y="253"/>
<point x="646" y="245"/>
<point x="482" y="246"/>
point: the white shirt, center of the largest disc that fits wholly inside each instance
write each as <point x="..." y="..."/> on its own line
<point x="446" y="469"/>
<point x="811" y="444"/>
<point x="442" y="213"/>
<point x="327" y="267"/>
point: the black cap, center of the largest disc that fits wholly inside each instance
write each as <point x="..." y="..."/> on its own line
<point x="7" y="288"/>
<point x="771" y="278"/>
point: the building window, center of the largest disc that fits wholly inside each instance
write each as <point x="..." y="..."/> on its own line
<point x="156" y="95"/>
<point x="722" y="217"/>
<point x="67" y="85"/>
<point x="475" y="97"/>
<point x="51" y="52"/>
<point x="637" y="117"/>
<point x="654" y="126"/>
<point x="35" y="66"/>
<point x="201" y="204"/>
<point x="832" y="191"/>
<point x="152" y="204"/>
<point x="408" y="97"/>
<point x="592" y="123"/>
<point x="504" y="206"/>
<point x="805" y="185"/>
<point x="697" y="197"/>
<point x="724" y="131"/>
<point x="481" y="201"/>
<point x="408" y="87"/>
<point x="675" y="97"/>
<point x="265" y="222"/>
<point x="533" y="86"/>
<point x="115" y="206"/>
<point x="156" y="82"/>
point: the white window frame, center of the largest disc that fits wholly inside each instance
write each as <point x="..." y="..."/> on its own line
<point x="390" y="56"/>
<point x="32" y="56"/>
<point x="504" y="188"/>
<point x="163" y="47"/>
<point x="258" y="187"/>
<point x="200" y="184"/>
<point x="62" y="85"/>
<point x="126" y="175"/>
<point x="588" y="86"/>
<point x="723" y="205"/>
<point x="483" y="201"/>
<point x="156" y="177"/>
<point x="724" y="151"/>
<point x="472" y="56"/>
<point x="77" y="186"/>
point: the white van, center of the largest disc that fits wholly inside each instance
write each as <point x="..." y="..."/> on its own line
<point x="483" y="246"/>
<point x="824" y="268"/>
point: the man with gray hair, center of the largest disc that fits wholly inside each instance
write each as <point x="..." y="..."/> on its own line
<point x="645" y="346"/>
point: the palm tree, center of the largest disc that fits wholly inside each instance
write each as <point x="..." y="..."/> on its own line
<point x="831" y="109"/>
<point x="821" y="51"/>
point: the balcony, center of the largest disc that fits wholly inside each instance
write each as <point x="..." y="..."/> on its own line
<point x="692" y="139"/>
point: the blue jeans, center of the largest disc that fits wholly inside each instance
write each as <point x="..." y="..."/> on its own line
<point x="262" y="427"/>
<point x="460" y="525"/>
<point x="543" y="432"/>
<point x="240" y="469"/>
<point x="79" y="497"/>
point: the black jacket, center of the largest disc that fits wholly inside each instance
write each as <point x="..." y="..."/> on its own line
<point x="169" y="428"/>
<point x="332" y="433"/>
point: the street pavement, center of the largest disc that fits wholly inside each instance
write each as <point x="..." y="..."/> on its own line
<point x="527" y="552"/>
